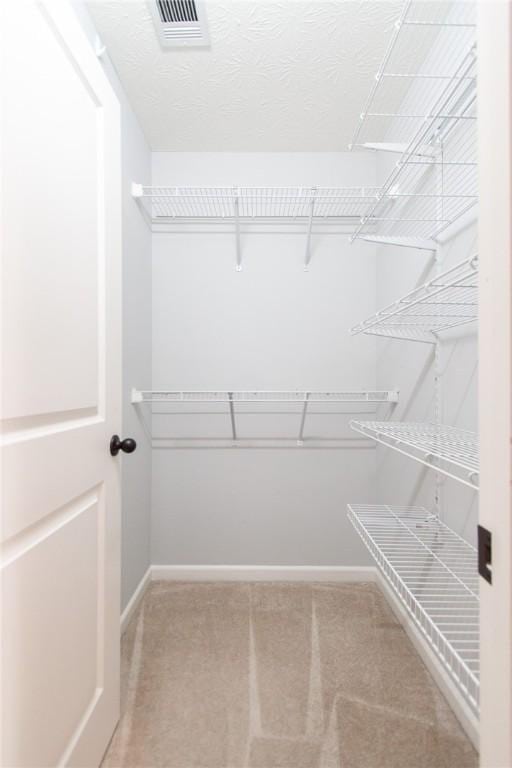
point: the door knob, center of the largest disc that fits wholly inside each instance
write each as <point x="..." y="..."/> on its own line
<point x="128" y="445"/>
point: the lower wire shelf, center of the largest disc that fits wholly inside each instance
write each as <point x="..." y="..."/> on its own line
<point x="433" y="571"/>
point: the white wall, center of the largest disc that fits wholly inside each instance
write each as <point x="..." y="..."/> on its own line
<point x="136" y="483"/>
<point x="271" y="326"/>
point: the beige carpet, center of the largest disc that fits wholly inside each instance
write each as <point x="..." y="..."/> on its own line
<point x="277" y="676"/>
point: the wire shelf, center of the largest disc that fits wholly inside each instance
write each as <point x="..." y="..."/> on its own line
<point x="433" y="571"/>
<point x="256" y="203"/>
<point x="433" y="129"/>
<point x="447" y="301"/>
<point x="435" y="179"/>
<point x="412" y="75"/>
<point x="263" y="396"/>
<point x="293" y="404"/>
<point x="449" y="450"/>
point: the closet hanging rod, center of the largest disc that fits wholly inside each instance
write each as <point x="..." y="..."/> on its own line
<point x="449" y="450"/>
<point x="264" y="396"/>
<point x="433" y="572"/>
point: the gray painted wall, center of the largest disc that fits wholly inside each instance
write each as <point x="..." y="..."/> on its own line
<point x="275" y="327"/>
<point x="271" y="326"/>
<point x="136" y="475"/>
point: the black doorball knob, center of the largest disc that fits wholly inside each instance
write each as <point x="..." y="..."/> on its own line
<point x="128" y="445"/>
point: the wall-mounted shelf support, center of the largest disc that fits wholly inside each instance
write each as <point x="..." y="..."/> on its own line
<point x="236" y="204"/>
<point x="232" y="414"/>
<point x="307" y="257"/>
<point x="422" y="244"/>
<point x="300" y="440"/>
<point x="392" y="146"/>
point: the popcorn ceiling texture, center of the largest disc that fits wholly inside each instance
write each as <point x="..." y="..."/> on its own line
<point x="279" y="76"/>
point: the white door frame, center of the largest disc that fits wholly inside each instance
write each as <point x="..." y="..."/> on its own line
<point x="495" y="374"/>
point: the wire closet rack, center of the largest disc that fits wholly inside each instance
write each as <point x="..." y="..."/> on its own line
<point x="449" y="450"/>
<point x="263" y="396"/>
<point x="299" y="402"/>
<point x="165" y="204"/>
<point x="447" y="301"/>
<point x="433" y="572"/>
<point x="303" y="206"/>
<point x="432" y="128"/>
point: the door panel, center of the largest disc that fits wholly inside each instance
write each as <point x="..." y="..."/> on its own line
<point x="61" y="398"/>
<point x="51" y="633"/>
<point x="53" y="227"/>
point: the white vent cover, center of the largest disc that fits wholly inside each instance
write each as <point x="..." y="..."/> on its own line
<point x="180" y="22"/>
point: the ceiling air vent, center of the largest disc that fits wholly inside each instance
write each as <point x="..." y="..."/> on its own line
<point x="180" y="22"/>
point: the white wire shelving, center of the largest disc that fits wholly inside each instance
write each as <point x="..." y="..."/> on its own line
<point x="263" y="396"/>
<point x="432" y="129"/>
<point x="421" y="31"/>
<point x="253" y="203"/>
<point x="433" y="572"/>
<point x="447" y="301"/>
<point x="303" y="206"/>
<point x="231" y="399"/>
<point x="451" y="451"/>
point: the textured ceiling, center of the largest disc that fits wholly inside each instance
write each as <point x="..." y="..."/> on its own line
<point x="278" y="76"/>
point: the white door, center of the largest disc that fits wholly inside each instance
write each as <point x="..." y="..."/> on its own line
<point x="495" y="380"/>
<point x="60" y="224"/>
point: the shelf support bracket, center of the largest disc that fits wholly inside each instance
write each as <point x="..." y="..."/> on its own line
<point x="236" y="204"/>
<point x="232" y="415"/>
<point x="300" y="440"/>
<point x="423" y="244"/>
<point x="99" y="48"/>
<point x="307" y="257"/>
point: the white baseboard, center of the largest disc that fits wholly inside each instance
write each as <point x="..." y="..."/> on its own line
<point x="135" y="599"/>
<point x="263" y="573"/>
<point x="461" y="709"/>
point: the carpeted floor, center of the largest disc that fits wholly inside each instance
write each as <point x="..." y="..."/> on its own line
<point x="221" y="675"/>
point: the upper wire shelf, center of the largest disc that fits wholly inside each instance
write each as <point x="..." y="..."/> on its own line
<point x="447" y="301"/>
<point x="432" y="126"/>
<point x="449" y="450"/>
<point x="427" y="44"/>
<point x="433" y="571"/>
<point x="166" y="204"/>
<point x="306" y="206"/>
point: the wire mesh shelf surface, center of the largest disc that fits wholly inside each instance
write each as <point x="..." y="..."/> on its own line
<point x="264" y="396"/>
<point x="290" y="203"/>
<point x="433" y="571"/>
<point x="449" y="450"/>
<point x="447" y="301"/>
<point x="435" y="180"/>
<point x="412" y="75"/>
